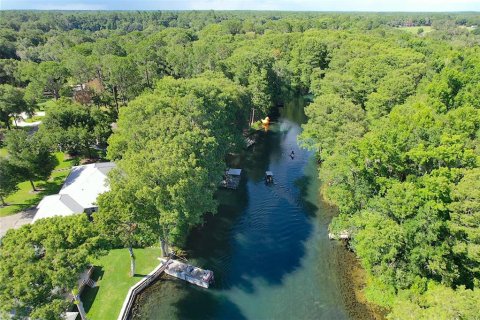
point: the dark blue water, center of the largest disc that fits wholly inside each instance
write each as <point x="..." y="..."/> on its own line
<point x="267" y="246"/>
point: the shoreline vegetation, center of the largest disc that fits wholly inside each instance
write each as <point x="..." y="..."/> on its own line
<point x="352" y="277"/>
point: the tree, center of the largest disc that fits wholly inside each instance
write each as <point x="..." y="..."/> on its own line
<point x="74" y="128"/>
<point x="30" y="156"/>
<point x="310" y="55"/>
<point x="259" y="89"/>
<point x="121" y="78"/>
<point x="9" y="179"/>
<point x="48" y="76"/>
<point x="40" y="263"/>
<point x="465" y="225"/>
<point x="438" y="302"/>
<point x="123" y="218"/>
<point x="170" y="146"/>
<point x="11" y="103"/>
<point x="394" y="90"/>
<point x="332" y="120"/>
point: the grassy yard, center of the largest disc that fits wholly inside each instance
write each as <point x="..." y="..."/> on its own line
<point x="414" y="30"/>
<point x="24" y="198"/>
<point x="34" y="119"/>
<point x="113" y="281"/>
<point x="46" y="104"/>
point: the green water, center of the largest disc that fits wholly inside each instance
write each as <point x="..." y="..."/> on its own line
<point x="267" y="246"/>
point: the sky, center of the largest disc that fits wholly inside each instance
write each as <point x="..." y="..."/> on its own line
<point x="289" y="5"/>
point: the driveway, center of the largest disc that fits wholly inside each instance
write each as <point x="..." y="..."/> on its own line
<point x="15" y="221"/>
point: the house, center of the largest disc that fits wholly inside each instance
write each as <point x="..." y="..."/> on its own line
<point x="79" y="192"/>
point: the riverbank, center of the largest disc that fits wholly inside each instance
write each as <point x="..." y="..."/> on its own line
<point x="267" y="245"/>
<point x="352" y="277"/>
<point x="352" y="282"/>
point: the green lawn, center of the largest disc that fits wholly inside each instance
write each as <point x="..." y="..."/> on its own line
<point x="46" y="104"/>
<point x="34" y="119"/>
<point x="414" y="30"/>
<point x="24" y="198"/>
<point x="113" y="281"/>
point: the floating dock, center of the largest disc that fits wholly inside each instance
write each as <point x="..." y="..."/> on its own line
<point x="189" y="273"/>
<point x="231" y="179"/>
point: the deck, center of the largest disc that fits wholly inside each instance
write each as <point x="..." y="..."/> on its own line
<point x="231" y="179"/>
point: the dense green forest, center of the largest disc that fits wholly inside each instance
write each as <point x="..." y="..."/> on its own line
<point x="394" y="122"/>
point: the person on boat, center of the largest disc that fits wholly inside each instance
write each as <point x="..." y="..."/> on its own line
<point x="292" y="154"/>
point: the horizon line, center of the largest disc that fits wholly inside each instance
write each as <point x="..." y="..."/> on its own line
<point x="239" y="10"/>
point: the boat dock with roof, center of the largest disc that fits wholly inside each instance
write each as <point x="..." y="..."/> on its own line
<point x="231" y="179"/>
<point x="189" y="273"/>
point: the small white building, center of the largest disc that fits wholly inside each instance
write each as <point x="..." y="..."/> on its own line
<point x="79" y="192"/>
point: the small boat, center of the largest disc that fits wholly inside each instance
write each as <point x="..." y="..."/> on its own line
<point x="189" y="273"/>
<point x="268" y="177"/>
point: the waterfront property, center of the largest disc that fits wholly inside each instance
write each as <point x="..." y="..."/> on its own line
<point x="113" y="281"/>
<point x="79" y="192"/>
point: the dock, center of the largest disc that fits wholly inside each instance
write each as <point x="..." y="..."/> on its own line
<point x="231" y="179"/>
<point x="249" y="142"/>
<point x="189" y="273"/>
<point x="342" y="235"/>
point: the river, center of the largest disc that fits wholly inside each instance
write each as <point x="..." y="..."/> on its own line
<point x="267" y="245"/>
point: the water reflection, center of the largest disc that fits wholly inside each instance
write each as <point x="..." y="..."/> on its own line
<point x="267" y="245"/>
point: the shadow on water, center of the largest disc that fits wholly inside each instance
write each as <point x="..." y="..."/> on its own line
<point x="182" y="304"/>
<point x="212" y="304"/>
<point x="303" y="184"/>
<point x="257" y="239"/>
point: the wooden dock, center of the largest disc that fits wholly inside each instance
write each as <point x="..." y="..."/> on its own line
<point x="342" y="235"/>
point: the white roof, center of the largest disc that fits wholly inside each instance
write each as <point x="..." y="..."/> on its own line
<point x="234" y="172"/>
<point x="85" y="183"/>
<point x="70" y="315"/>
<point x="79" y="192"/>
<point x="57" y="205"/>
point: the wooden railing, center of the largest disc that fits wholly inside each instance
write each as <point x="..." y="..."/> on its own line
<point x="138" y="287"/>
